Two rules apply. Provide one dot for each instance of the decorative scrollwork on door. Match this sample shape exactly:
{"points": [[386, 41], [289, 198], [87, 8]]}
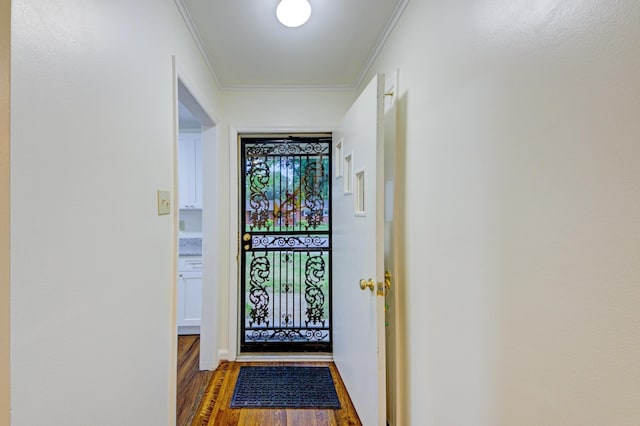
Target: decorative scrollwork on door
{"points": [[284, 147], [259, 272], [258, 176], [285, 244], [314, 179], [314, 276]]}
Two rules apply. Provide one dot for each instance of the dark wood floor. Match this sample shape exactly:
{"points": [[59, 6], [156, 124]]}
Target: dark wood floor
{"points": [[204, 397], [191, 381]]}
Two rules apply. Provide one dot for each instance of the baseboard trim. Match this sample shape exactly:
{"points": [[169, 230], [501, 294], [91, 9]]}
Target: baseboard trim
{"points": [[188, 330]]}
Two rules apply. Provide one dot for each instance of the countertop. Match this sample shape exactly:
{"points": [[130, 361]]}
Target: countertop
{"points": [[189, 246]]}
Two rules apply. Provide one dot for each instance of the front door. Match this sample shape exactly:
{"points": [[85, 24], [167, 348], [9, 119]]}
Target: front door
{"points": [[286, 244], [358, 253]]}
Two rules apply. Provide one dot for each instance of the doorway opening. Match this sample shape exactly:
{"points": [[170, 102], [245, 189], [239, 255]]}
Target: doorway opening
{"points": [[196, 229], [285, 261], [190, 164]]}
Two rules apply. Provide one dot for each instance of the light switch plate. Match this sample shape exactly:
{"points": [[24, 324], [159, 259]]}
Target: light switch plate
{"points": [[164, 202]]}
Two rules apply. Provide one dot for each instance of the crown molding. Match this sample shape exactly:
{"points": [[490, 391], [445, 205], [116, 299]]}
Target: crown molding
{"points": [[308, 88], [290, 88], [184, 11], [382, 40]]}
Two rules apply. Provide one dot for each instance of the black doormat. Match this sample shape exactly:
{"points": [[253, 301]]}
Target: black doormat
{"points": [[285, 387]]}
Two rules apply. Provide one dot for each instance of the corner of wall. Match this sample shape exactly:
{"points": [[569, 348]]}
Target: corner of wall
{"points": [[223, 355], [5, 89]]}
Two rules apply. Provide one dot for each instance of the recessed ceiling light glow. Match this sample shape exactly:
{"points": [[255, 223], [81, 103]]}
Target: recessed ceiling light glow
{"points": [[293, 13]]}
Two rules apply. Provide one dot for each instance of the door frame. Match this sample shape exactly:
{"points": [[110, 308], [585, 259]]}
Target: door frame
{"points": [[185, 90], [234, 247]]}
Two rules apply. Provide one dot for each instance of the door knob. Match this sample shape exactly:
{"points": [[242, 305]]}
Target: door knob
{"points": [[367, 284]]}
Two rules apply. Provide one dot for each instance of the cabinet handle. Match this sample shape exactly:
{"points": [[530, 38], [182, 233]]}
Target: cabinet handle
{"points": [[180, 275]]}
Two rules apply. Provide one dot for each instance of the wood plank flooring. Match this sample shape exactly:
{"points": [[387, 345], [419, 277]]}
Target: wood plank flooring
{"points": [[191, 381], [215, 410], [204, 396]]}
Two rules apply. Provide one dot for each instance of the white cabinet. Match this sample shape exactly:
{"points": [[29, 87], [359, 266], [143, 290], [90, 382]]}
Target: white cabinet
{"points": [[189, 295], [190, 171]]}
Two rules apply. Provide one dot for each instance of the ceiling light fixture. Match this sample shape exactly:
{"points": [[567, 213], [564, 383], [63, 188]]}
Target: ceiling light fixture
{"points": [[293, 13]]}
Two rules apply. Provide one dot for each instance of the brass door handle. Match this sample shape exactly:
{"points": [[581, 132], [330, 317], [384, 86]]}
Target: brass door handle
{"points": [[367, 284]]}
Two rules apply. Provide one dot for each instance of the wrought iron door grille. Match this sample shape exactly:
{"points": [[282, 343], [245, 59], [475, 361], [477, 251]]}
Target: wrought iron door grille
{"points": [[286, 244]]}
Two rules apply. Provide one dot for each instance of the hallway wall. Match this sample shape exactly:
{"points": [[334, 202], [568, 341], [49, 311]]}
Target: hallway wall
{"points": [[92, 263], [520, 141], [286, 109], [5, 253], [272, 111]]}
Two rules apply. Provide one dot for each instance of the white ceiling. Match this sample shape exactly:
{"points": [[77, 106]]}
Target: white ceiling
{"points": [[247, 47]]}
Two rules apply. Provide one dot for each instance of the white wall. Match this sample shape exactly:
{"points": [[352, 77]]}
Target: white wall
{"points": [[92, 129], [518, 131], [520, 128], [286, 109], [5, 254], [270, 111]]}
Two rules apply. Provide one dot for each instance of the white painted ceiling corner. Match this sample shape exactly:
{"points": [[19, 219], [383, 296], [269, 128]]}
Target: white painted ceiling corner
{"points": [[246, 48]]}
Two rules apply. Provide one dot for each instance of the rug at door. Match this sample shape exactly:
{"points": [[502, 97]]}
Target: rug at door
{"points": [[285, 387]]}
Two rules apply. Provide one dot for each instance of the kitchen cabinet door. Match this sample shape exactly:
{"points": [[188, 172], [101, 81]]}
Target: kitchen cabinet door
{"points": [[190, 171], [189, 298]]}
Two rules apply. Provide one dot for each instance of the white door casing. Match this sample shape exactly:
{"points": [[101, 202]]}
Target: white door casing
{"points": [[187, 92], [392, 234], [358, 253]]}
